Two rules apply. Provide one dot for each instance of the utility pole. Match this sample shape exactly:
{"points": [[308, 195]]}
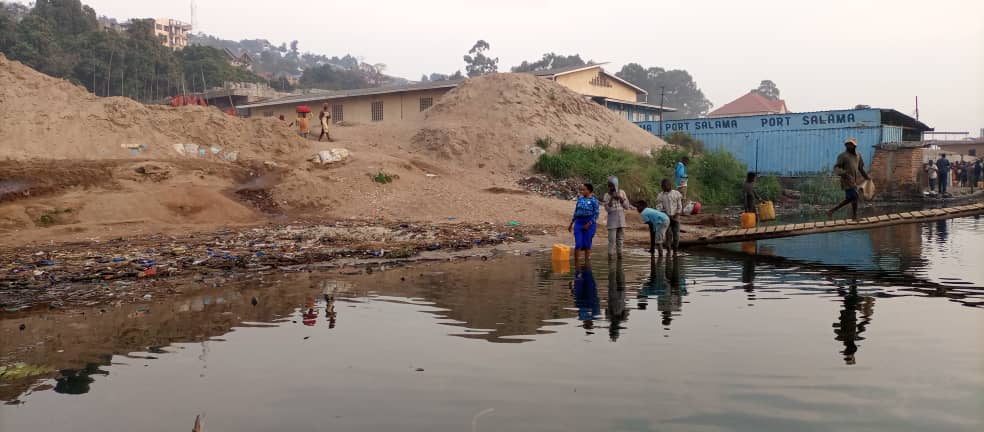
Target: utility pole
{"points": [[661, 92]]}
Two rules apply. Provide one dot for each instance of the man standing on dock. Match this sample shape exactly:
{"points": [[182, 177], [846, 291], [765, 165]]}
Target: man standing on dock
{"points": [[943, 165], [850, 169]]}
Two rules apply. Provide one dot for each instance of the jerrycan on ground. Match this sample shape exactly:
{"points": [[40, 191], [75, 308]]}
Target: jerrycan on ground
{"points": [[767, 211], [561, 252], [748, 220]]}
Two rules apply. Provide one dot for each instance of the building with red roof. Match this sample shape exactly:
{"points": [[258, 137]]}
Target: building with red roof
{"points": [[750, 104]]}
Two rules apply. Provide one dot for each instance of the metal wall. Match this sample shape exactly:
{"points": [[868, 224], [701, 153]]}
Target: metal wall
{"points": [[784, 144]]}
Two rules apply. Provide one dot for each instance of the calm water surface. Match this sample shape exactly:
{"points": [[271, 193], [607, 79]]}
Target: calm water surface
{"points": [[867, 330]]}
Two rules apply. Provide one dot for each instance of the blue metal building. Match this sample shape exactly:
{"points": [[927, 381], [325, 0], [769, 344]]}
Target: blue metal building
{"points": [[796, 143]]}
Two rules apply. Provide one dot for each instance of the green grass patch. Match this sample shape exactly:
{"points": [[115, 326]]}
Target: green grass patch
{"points": [[820, 190], [768, 188], [383, 178]]}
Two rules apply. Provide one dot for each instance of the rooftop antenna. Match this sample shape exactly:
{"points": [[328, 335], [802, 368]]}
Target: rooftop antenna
{"points": [[917, 107]]}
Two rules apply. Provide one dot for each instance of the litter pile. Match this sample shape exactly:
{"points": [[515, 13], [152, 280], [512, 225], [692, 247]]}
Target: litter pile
{"points": [[497, 118], [50, 118], [565, 189], [89, 273]]}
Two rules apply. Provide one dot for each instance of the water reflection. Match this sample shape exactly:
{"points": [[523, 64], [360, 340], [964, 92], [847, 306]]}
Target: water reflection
{"points": [[77, 381], [848, 328], [585, 292], [617, 310], [518, 299]]}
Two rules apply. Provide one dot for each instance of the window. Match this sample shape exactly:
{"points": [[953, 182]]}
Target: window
{"points": [[337, 113], [377, 111], [267, 113], [426, 103]]}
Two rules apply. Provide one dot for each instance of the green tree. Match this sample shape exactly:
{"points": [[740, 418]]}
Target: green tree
{"points": [[550, 61], [679, 89], [768, 89], [331, 77], [198, 60], [477, 63]]}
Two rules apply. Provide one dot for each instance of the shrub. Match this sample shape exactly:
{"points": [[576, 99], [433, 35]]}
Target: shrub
{"points": [[383, 178], [685, 141], [820, 189], [768, 187], [544, 142]]}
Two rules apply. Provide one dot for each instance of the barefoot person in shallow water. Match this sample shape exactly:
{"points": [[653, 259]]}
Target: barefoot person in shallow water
{"points": [[584, 222]]}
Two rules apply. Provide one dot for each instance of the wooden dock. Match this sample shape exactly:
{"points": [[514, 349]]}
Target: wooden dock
{"points": [[792, 230]]}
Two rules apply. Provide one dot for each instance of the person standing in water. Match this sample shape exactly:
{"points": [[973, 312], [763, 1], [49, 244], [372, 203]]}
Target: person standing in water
{"points": [[850, 168], [584, 222], [616, 203], [670, 202]]}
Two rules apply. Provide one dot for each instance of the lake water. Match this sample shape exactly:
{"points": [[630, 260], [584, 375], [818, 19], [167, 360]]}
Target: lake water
{"points": [[860, 331]]}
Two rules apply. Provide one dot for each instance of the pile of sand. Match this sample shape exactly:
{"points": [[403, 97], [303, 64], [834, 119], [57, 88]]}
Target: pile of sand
{"points": [[50, 118], [498, 117]]}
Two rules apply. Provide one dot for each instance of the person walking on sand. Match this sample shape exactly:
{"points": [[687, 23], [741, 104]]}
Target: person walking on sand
{"points": [[584, 222], [680, 174], [670, 202], [850, 168], [943, 166], [658, 223], [325, 118], [616, 203]]}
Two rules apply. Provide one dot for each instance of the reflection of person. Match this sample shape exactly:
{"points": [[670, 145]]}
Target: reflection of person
{"points": [[586, 297], [847, 328], [850, 168], [669, 300], [616, 203], [655, 283], [309, 318], [330, 313], [616, 310]]}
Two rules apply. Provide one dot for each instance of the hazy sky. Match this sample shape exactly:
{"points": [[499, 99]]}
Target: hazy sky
{"points": [[823, 54]]}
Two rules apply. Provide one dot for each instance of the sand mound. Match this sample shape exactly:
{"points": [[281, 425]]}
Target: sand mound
{"points": [[498, 117], [45, 117]]}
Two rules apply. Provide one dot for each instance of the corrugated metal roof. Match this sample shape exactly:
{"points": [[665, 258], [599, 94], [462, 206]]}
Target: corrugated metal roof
{"points": [[641, 104], [339, 94], [566, 70]]}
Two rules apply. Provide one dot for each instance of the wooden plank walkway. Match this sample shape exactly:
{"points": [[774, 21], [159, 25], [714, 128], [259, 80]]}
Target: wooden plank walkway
{"points": [[792, 230]]}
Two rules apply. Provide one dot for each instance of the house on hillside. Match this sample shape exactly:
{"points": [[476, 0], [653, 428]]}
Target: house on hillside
{"points": [[624, 98], [171, 32], [751, 104], [243, 61]]}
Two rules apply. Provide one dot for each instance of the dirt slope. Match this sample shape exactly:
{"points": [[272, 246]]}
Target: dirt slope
{"points": [[495, 119], [49, 118]]}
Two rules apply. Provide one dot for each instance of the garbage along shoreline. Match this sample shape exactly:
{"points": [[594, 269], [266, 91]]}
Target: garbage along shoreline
{"points": [[145, 268]]}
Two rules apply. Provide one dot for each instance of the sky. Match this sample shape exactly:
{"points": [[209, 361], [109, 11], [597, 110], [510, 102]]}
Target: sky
{"points": [[822, 54]]}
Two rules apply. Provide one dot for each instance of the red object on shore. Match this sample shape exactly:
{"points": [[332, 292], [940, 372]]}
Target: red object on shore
{"points": [[303, 109], [696, 208]]}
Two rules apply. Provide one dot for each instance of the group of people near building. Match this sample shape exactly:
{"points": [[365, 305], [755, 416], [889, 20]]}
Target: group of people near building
{"points": [[663, 218], [943, 173]]}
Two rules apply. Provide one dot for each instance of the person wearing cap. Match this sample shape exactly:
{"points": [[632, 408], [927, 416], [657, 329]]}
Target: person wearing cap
{"points": [[850, 169]]}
